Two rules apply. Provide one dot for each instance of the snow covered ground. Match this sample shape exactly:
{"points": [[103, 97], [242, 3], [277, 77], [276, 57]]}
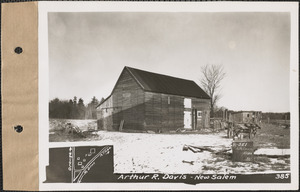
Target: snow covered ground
{"points": [[163, 153]]}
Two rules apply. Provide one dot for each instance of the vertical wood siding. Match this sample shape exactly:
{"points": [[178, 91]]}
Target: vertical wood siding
{"points": [[162, 115], [202, 105], [128, 102], [104, 114]]}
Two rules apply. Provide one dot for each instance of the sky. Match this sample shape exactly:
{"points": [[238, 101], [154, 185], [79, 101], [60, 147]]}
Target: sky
{"points": [[87, 52]]}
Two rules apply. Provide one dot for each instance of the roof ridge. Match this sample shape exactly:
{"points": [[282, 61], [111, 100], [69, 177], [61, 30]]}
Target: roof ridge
{"points": [[159, 74]]}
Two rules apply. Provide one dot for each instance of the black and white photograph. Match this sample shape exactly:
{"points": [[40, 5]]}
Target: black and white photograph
{"points": [[172, 96]]}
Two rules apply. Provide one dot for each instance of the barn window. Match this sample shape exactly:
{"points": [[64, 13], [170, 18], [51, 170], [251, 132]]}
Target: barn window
{"points": [[169, 101], [199, 114], [187, 103]]}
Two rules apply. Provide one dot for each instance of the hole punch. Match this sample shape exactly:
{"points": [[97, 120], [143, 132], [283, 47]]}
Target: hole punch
{"points": [[18, 50], [18, 128]]}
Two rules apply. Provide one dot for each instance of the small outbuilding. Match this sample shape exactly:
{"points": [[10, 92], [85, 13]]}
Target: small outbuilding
{"points": [[143, 100], [245, 117]]}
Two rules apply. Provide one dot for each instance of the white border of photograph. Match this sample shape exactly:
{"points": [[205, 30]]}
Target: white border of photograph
{"points": [[45, 7]]}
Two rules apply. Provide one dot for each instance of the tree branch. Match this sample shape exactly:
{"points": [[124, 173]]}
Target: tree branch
{"points": [[212, 76]]}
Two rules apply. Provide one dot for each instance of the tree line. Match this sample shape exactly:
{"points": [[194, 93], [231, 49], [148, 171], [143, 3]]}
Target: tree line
{"points": [[277, 116], [219, 113], [73, 108]]}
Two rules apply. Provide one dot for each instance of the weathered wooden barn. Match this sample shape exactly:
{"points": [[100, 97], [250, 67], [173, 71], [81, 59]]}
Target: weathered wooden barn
{"points": [[143, 100]]}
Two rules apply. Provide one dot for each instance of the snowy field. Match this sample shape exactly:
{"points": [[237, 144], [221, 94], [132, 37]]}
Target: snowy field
{"points": [[163, 153]]}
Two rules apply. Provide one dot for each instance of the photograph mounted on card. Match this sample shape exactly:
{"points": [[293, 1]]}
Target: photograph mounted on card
{"points": [[165, 95], [160, 95]]}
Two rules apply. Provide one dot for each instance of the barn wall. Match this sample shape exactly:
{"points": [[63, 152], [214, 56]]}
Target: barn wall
{"points": [[202, 105], [163, 112], [128, 102], [104, 114], [142, 110], [166, 112]]}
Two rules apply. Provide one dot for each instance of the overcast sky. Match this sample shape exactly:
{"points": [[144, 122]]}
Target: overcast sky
{"points": [[87, 52]]}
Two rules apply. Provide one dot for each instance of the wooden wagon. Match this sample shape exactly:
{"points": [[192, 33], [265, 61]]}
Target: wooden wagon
{"points": [[243, 124]]}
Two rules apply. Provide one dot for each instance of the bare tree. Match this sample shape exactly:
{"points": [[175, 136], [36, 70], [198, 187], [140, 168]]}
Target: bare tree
{"points": [[212, 75]]}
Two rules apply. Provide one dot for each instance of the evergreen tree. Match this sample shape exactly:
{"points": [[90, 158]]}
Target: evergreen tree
{"points": [[91, 109], [73, 109], [80, 109]]}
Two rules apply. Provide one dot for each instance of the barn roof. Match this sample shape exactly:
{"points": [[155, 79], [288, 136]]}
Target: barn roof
{"points": [[158, 83]]}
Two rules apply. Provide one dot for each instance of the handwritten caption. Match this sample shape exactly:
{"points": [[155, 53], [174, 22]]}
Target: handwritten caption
{"points": [[156, 177]]}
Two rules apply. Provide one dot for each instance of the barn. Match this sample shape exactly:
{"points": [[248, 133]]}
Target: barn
{"points": [[143, 100]]}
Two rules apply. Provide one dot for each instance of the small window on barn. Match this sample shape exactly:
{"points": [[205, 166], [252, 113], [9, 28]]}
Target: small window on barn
{"points": [[187, 103], [248, 115], [199, 114], [169, 101]]}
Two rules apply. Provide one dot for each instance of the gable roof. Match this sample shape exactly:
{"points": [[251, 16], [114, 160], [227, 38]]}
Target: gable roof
{"points": [[158, 83]]}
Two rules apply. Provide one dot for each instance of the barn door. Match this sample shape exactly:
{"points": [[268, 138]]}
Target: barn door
{"points": [[194, 118], [187, 120]]}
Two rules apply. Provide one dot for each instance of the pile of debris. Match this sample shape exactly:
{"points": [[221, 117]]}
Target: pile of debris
{"points": [[198, 149], [73, 130], [217, 150]]}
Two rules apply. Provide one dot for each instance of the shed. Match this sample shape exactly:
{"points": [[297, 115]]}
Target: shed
{"points": [[245, 117], [143, 100]]}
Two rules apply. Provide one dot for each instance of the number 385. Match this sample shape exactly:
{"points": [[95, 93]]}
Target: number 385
{"points": [[282, 176]]}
